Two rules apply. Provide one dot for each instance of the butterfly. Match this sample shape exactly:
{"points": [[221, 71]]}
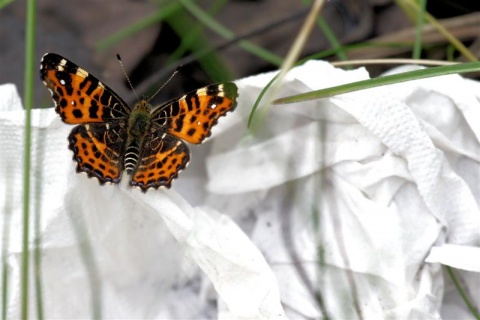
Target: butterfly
{"points": [[110, 137]]}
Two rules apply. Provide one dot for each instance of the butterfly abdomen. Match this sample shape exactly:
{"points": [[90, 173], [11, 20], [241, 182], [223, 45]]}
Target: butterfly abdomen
{"points": [[132, 154]]}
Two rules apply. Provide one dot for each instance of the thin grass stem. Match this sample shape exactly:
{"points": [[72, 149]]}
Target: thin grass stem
{"points": [[28, 101], [462, 293], [417, 48]]}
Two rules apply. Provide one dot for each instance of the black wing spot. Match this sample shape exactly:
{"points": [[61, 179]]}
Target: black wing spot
{"points": [[213, 90], [179, 123], [60, 91], [86, 166], [174, 109], [77, 113], [104, 99], [213, 115], [63, 103], [93, 110]]}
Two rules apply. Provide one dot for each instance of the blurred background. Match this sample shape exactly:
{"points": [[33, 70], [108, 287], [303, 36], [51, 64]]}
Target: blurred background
{"points": [[217, 40]]}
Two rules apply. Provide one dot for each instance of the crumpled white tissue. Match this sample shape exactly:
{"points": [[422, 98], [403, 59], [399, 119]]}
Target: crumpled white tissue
{"points": [[105, 251], [349, 206], [358, 198]]}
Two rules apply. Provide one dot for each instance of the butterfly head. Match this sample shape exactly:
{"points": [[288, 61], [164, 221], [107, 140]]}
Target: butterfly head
{"points": [[143, 105]]}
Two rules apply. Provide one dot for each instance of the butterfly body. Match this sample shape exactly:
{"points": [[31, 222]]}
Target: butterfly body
{"points": [[111, 138], [138, 127], [139, 120]]}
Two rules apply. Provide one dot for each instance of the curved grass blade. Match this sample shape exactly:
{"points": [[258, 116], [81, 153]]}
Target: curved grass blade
{"points": [[462, 293], [381, 81], [292, 56], [259, 98]]}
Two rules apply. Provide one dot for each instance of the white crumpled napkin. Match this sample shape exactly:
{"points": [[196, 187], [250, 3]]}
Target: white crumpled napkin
{"points": [[106, 253], [353, 202], [379, 182]]}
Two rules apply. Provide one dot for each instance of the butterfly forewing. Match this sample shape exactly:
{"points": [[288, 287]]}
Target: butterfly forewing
{"points": [[192, 116], [79, 97]]}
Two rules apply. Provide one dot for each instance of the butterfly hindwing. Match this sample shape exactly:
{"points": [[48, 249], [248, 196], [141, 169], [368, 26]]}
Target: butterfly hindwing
{"points": [[98, 150], [79, 97], [192, 116], [163, 157]]}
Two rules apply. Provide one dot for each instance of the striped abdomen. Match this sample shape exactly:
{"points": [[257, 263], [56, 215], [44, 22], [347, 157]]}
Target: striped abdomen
{"points": [[132, 154]]}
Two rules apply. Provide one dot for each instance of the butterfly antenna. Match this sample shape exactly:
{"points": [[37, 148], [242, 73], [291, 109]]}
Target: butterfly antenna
{"points": [[126, 76], [160, 89]]}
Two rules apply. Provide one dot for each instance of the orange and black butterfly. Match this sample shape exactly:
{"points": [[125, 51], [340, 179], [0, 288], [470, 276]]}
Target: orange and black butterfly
{"points": [[111, 137]]}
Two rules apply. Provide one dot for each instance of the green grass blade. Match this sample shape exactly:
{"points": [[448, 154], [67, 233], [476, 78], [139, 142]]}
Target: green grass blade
{"points": [[259, 98], [4, 288], [211, 62], [291, 57], [89, 259], [417, 48], [337, 47], [382, 81], [138, 26], [37, 257], [28, 101], [450, 53], [40, 152], [188, 39], [412, 6], [332, 39], [462, 293], [4, 3], [205, 18], [6, 242]]}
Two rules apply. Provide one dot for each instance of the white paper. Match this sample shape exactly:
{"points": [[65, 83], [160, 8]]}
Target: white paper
{"points": [[389, 173], [115, 252], [346, 207]]}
